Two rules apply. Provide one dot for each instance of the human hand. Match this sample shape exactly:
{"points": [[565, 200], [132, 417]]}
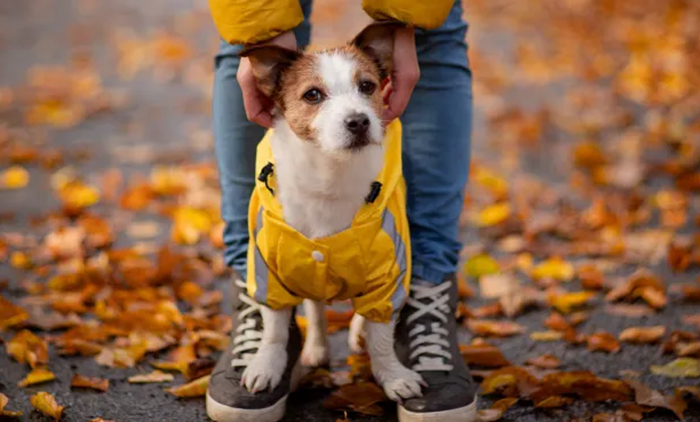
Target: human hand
{"points": [[258, 107], [404, 74]]}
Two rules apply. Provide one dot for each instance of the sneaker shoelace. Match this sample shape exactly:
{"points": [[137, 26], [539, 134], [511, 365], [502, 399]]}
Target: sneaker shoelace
{"points": [[428, 342], [248, 336]]}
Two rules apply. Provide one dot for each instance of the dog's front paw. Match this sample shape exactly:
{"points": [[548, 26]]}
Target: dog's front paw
{"points": [[400, 383], [356, 335], [315, 353], [266, 368]]}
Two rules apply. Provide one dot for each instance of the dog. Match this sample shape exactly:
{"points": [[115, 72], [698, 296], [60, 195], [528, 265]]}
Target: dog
{"points": [[327, 218]]}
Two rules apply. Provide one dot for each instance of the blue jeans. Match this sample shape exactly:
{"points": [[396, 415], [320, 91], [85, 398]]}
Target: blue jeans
{"points": [[437, 130]]}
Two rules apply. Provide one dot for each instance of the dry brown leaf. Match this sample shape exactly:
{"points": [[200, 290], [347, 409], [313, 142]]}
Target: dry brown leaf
{"points": [[552, 402], [196, 388], [99, 384], [496, 411], [643, 335], [155, 376], [25, 347], [37, 376], [46, 404], [689, 349], [546, 336], [628, 310], [362, 397], [602, 341], [645, 396], [483, 355], [490, 328], [545, 362]]}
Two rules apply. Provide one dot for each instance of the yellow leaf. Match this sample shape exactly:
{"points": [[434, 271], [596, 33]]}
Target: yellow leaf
{"points": [[566, 302], [493, 215], [679, 368], [21, 260], [15, 177], [46, 404], [480, 265], [10, 314], [155, 376], [195, 388], [555, 268], [78, 195], [25, 347], [549, 335], [37, 376]]}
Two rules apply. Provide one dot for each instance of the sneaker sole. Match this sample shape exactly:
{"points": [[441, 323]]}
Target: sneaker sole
{"points": [[221, 413], [462, 414]]}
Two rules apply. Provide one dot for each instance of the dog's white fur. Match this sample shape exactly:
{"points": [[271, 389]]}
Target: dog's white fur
{"points": [[321, 186]]}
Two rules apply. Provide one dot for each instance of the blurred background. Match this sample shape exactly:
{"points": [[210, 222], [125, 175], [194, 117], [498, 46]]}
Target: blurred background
{"points": [[587, 116]]}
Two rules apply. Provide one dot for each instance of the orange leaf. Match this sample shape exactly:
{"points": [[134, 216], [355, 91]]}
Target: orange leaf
{"points": [[99, 384], [483, 355], [362, 397], [15, 177], [643, 335], [602, 341], [46, 404], [155, 376], [566, 302], [25, 347], [490, 328], [545, 361], [196, 388], [10, 314], [7, 413], [646, 396], [553, 402]]}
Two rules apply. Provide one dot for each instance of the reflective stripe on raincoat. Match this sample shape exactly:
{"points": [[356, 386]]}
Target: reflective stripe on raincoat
{"points": [[368, 263]]}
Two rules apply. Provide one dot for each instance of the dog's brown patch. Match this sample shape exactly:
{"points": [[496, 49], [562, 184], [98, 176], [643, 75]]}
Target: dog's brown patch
{"points": [[299, 78]]}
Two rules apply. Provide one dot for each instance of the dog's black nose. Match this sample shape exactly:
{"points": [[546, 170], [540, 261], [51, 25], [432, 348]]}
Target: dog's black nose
{"points": [[357, 123]]}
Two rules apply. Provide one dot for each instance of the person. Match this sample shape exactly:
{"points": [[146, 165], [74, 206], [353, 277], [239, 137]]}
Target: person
{"points": [[431, 91]]}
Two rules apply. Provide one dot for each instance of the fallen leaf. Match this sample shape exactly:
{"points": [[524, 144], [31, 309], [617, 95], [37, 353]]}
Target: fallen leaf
{"points": [[155, 376], [496, 285], [545, 336], [554, 268], [362, 397], [99, 384], [7, 413], [679, 368], [490, 328], [481, 265], [483, 355], [691, 293], [566, 302], [643, 335], [25, 347], [552, 402], [37, 376], [545, 362], [46, 404], [646, 396], [10, 314], [15, 177], [493, 215], [689, 349], [511, 381], [602, 341], [496, 411], [195, 388], [628, 310]]}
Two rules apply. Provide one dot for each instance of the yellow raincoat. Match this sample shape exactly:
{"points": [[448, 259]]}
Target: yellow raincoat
{"points": [[369, 263], [251, 21]]}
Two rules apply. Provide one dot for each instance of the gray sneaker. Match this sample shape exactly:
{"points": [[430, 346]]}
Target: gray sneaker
{"points": [[426, 341], [227, 399]]}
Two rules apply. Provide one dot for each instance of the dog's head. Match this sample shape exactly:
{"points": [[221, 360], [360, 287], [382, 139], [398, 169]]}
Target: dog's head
{"points": [[331, 98]]}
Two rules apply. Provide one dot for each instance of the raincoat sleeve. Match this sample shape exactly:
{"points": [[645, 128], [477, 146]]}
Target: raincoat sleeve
{"points": [[252, 21], [421, 13]]}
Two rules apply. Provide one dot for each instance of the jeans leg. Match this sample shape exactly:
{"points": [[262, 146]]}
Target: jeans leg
{"points": [[236, 140], [436, 147]]}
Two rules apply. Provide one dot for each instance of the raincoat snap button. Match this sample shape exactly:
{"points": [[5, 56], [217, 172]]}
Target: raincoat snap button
{"points": [[317, 256]]}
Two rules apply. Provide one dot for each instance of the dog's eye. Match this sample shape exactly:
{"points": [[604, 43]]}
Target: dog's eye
{"points": [[367, 87], [313, 96]]}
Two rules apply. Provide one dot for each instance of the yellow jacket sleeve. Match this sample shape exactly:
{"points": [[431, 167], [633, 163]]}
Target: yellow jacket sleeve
{"points": [[251, 21], [421, 13]]}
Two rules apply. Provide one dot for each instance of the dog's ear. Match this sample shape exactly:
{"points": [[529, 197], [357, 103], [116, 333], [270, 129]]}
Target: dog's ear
{"points": [[377, 41], [267, 63]]}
